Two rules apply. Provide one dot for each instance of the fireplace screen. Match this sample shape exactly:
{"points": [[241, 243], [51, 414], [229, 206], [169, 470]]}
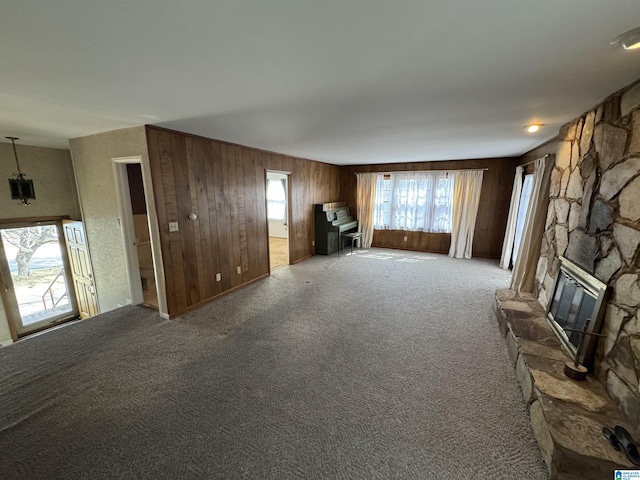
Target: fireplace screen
{"points": [[576, 310]]}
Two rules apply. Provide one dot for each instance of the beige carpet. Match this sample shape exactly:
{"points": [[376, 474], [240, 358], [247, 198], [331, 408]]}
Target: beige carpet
{"points": [[378, 365]]}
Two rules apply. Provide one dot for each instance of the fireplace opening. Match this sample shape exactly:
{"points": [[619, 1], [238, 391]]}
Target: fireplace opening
{"points": [[576, 310]]}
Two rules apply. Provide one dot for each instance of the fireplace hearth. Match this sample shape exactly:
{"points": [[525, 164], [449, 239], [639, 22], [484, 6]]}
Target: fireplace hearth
{"points": [[567, 416]]}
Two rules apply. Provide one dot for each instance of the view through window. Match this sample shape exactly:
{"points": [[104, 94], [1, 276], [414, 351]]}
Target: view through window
{"points": [[276, 199], [414, 202]]}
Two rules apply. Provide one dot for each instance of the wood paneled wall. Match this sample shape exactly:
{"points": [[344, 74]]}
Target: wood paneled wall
{"points": [[224, 185], [492, 213], [547, 148]]}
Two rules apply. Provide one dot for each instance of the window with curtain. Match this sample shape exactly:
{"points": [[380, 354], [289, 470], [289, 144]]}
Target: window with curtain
{"points": [[414, 202], [276, 200]]}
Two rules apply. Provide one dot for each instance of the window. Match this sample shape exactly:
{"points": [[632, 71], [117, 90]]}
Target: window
{"points": [[276, 200], [414, 201]]}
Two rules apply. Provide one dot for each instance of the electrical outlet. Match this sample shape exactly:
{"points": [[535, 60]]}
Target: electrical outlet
{"points": [[313, 243], [218, 277], [173, 226], [239, 270], [405, 238]]}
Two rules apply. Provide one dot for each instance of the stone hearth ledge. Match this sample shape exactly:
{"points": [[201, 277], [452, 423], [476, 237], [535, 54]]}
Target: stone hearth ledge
{"points": [[567, 416]]}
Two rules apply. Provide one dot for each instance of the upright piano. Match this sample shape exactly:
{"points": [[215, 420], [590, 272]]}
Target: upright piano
{"points": [[332, 220]]}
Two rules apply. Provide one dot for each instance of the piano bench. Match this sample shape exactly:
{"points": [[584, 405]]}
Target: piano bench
{"points": [[353, 237]]}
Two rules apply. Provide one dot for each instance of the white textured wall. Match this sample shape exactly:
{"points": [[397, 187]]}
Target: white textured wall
{"points": [[277, 229], [54, 185], [92, 159]]}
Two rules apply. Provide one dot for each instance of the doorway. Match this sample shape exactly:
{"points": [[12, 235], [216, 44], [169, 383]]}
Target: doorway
{"points": [[134, 222], [38, 287], [277, 196]]}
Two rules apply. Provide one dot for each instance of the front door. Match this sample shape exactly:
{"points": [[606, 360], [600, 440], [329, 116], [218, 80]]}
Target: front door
{"points": [[81, 273], [35, 272]]}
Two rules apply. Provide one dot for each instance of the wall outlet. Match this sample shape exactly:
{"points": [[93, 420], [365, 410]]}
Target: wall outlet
{"points": [[239, 270], [173, 226], [313, 243], [405, 238], [218, 277]]}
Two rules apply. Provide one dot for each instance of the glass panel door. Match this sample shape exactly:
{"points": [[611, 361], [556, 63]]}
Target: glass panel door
{"points": [[36, 276]]}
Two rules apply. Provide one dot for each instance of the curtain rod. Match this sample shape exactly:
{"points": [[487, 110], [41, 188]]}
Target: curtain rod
{"points": [[428, 171], [535, 160]]}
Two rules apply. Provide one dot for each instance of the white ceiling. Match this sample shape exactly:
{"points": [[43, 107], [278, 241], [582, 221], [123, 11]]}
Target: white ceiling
{"points": [[341, 81]]}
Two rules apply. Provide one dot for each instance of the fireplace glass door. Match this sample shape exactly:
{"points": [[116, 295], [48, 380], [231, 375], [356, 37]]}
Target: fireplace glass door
{"points": [[576, 309], [572, 308]]}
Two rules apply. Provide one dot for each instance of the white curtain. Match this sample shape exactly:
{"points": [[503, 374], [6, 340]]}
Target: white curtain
{"points": [[509, 235], [524, 269], [466, 197], [366, 201], [525, 197], [420, 201]]}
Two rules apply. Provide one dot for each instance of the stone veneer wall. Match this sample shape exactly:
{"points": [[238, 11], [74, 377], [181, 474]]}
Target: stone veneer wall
{"points": [[594, 220]]}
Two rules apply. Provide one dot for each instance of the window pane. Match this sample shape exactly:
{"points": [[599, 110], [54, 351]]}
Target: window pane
{"points": [[276, 200], [414, 201]]}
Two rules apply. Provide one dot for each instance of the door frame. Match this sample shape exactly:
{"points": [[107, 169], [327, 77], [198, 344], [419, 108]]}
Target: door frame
{"points": [[7, 292], [123, 197], [287, 174]]}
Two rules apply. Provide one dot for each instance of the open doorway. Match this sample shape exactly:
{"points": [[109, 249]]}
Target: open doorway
{"points": [[37, 279], [134, 220], [277, 195], [142, 235]]}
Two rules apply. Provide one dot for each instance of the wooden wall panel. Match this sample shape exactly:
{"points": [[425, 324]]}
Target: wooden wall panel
{"points": [[205, 177], [547, 148], [224, 185], [492, 212]]}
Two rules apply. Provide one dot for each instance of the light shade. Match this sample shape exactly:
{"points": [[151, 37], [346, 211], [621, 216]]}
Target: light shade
{"points": [[629, 40]]}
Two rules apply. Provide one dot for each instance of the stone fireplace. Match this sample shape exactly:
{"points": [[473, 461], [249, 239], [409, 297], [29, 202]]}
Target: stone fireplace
{"points": [[593, 220]]}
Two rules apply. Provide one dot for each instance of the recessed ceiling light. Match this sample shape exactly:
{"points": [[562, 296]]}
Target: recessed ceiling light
{"points": [[533, 128], [629, 40]]}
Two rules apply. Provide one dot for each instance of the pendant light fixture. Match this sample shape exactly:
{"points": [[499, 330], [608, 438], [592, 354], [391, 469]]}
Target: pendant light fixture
{"points": [[21, 187]]}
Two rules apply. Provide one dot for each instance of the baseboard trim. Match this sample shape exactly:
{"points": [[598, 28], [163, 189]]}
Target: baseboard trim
{"points": [[171, 316], [433, 251], [301, 259]]}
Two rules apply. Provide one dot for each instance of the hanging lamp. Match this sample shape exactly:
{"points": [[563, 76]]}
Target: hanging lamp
{"points": [[21, 187]]}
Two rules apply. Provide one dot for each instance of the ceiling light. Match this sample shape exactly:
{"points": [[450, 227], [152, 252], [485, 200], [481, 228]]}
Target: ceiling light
{"points": [[21, 187], [533, 128], [629, 40]]}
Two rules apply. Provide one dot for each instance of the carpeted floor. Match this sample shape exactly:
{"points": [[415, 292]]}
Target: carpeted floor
{"points": [[382, 364]]}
